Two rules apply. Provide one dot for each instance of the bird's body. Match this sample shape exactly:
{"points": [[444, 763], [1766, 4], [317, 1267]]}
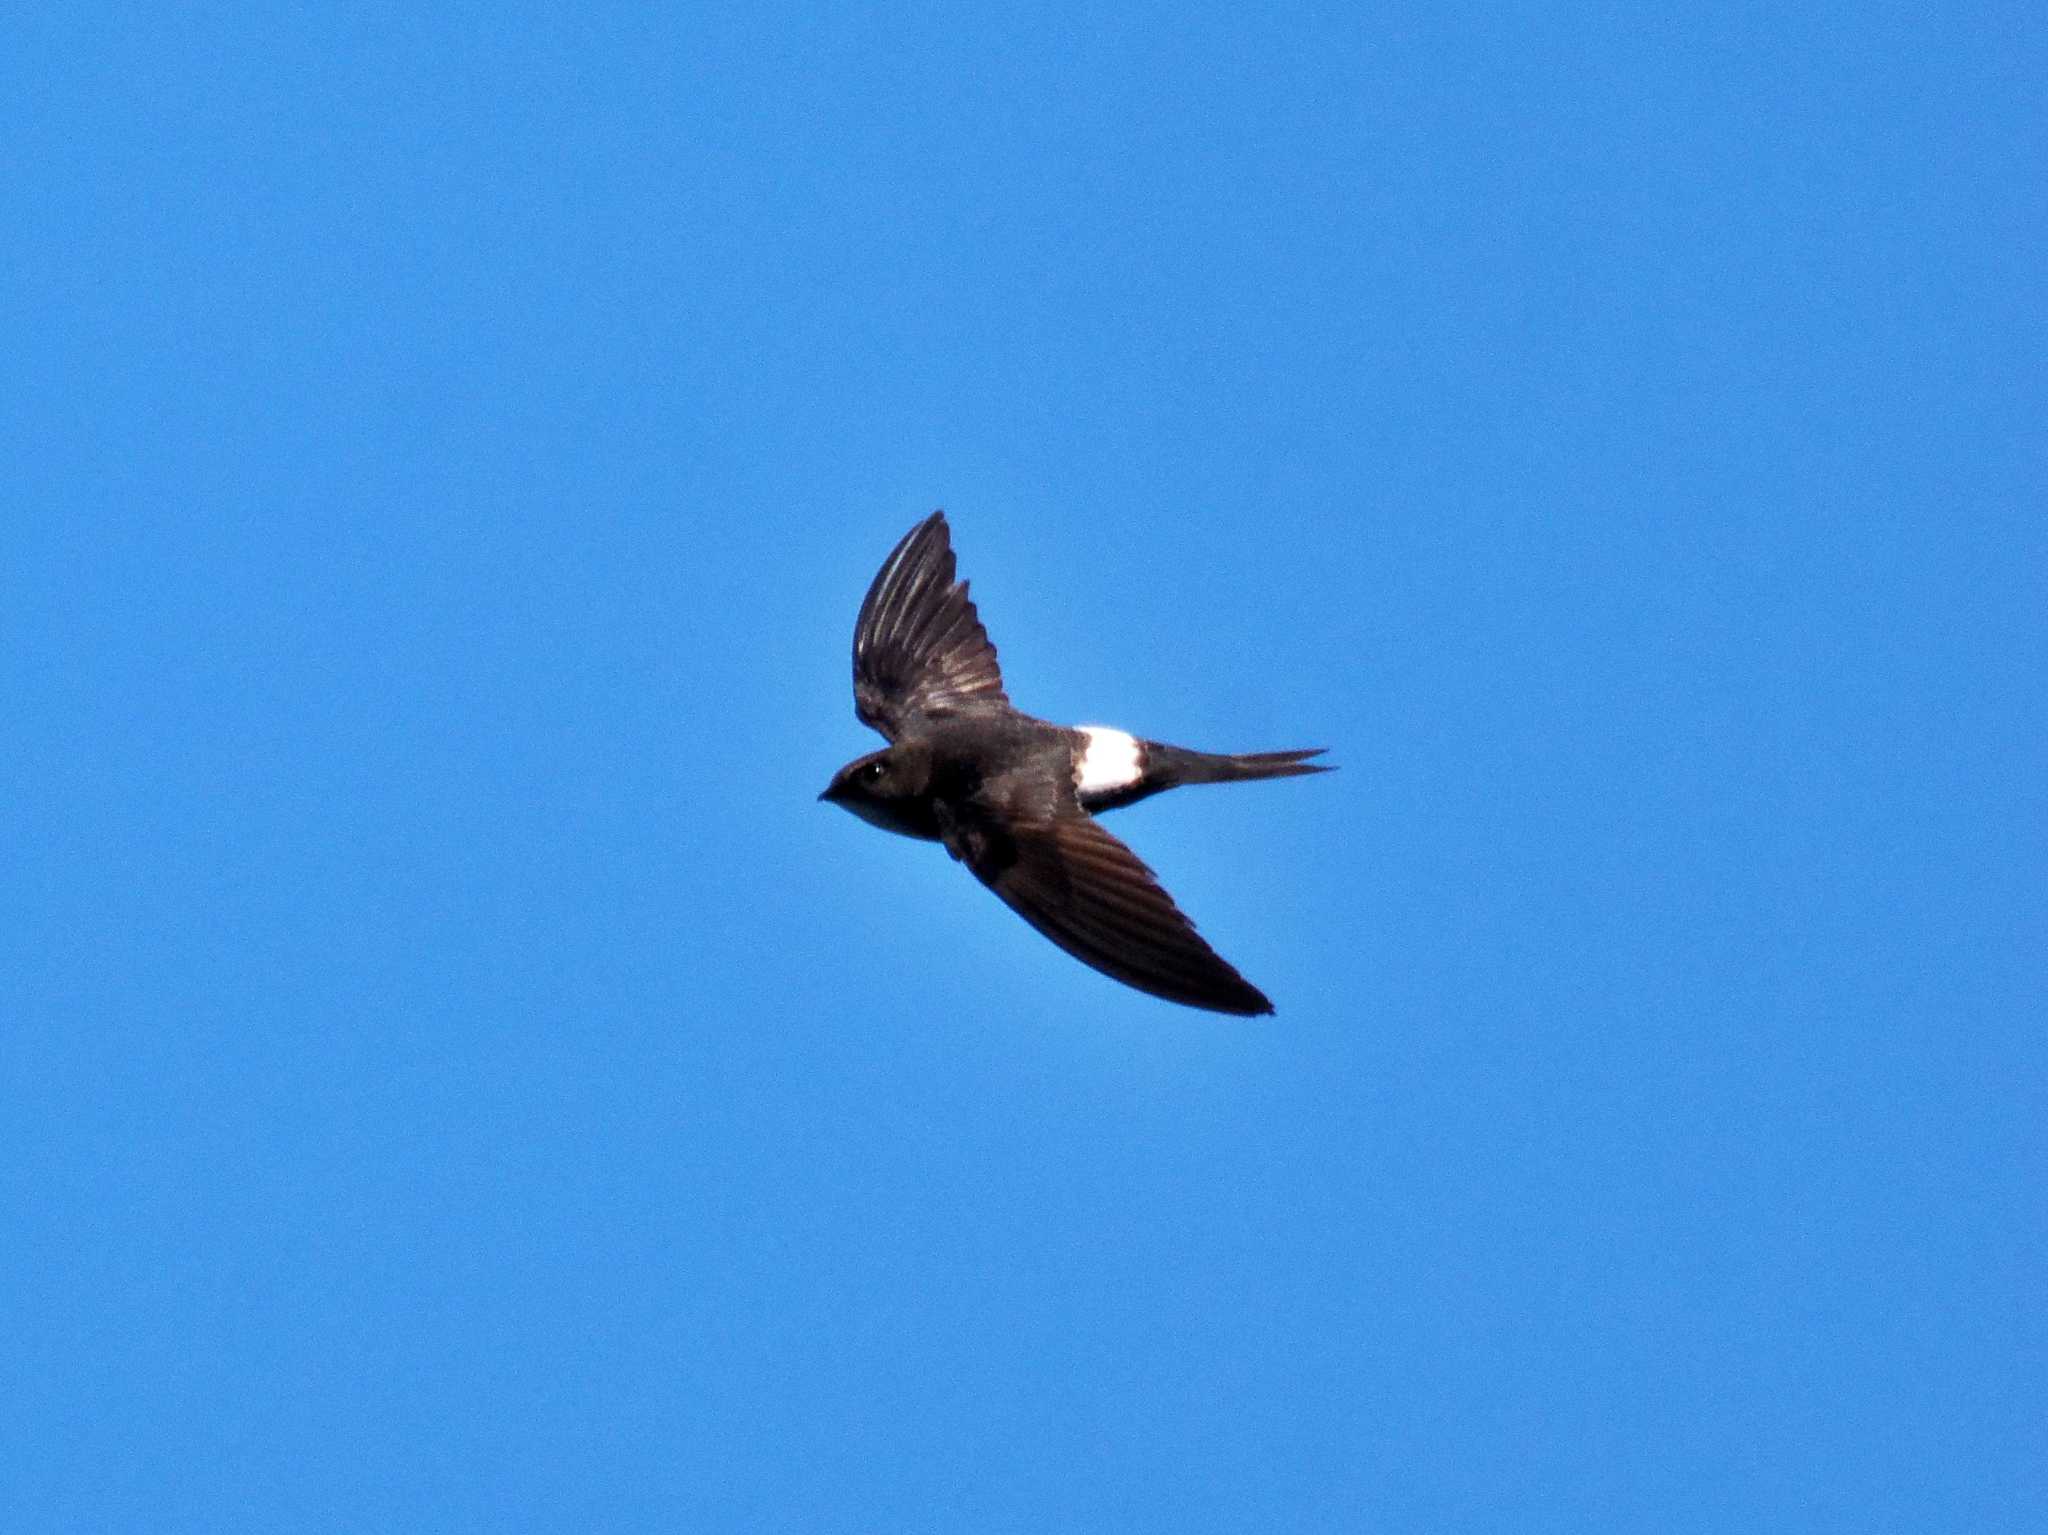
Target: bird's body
{"points": [[1015, 797]]}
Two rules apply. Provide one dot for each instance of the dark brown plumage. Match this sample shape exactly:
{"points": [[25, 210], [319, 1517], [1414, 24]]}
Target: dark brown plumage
{"points": [[1014, 797]]}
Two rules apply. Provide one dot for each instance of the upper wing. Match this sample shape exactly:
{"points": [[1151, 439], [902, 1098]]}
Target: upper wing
{"points": [[1089, 894], [918, 646]]}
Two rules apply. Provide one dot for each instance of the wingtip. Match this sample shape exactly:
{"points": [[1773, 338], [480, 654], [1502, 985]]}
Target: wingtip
{"points": [[1244, 1000]]}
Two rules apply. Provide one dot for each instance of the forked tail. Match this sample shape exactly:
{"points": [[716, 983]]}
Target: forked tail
{"points": [[1224, 767]]}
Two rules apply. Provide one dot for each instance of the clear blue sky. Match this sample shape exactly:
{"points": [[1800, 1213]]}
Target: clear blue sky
{"points": [[453, 1074]]}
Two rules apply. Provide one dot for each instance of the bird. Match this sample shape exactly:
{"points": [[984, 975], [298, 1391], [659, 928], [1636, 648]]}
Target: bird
{"points": [[1015, 798]]}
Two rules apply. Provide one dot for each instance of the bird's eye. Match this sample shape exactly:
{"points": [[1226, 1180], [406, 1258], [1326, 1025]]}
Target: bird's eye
{"points": [[872, 773]]}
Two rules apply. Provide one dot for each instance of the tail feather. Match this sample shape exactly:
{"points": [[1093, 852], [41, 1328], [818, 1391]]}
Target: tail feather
{"points": [[1233, 767]]}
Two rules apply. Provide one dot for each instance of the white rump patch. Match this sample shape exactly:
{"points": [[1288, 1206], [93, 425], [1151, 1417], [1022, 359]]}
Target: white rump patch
{"points": [[1109, 760]]}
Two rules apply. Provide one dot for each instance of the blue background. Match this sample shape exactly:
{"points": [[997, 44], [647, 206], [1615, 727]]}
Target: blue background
{"points": [[457, 1077]]}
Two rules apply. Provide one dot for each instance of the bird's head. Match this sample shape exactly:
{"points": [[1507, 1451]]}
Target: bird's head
{"points": [[887, 789]]}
